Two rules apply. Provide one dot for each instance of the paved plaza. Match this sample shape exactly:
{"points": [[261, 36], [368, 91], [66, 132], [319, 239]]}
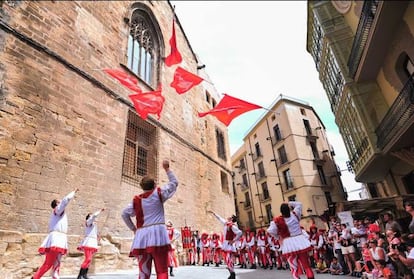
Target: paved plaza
{"points": [[190, 272]]}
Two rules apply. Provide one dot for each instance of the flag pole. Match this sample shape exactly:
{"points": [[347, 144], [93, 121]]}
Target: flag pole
{"points": [[208, 81]]}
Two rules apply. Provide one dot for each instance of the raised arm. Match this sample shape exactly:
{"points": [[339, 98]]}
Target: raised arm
{"points": [[64, 202], [218, 217], [297, 208], [169, 189], [93, 217]]}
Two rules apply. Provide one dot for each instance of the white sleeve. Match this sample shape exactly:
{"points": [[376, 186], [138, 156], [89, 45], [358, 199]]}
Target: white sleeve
{"points": [[169, 189], [297, 208], [127, 213], [221, 219], [272, 229], [92, 218], [237, 231], [65, 201]]}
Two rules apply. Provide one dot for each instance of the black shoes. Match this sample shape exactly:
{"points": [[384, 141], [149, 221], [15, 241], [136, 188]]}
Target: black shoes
{"points": [[232, 275]]}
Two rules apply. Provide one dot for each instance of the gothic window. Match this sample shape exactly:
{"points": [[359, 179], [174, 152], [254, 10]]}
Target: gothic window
{"points": [[139, 155], [143, 47]]}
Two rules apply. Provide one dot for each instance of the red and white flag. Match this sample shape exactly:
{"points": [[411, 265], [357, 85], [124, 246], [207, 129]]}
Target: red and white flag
{"points": [[184, 80], [229, 108], [126, 79], [148, 102], [175, 55]]}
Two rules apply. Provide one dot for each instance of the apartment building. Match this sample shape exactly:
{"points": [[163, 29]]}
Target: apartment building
{"points": [[285, 156], [363, 51]]}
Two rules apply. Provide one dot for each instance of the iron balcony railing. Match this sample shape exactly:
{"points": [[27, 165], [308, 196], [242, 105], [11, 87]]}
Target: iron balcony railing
{"points": [[397, 116], [265, 196], [364, 26]]}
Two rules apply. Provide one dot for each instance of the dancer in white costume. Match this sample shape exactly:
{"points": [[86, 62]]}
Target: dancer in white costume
{"points": [[55, 245], [231, 234], [173, 235], [295, 245], [89, 244], [151, 242]]}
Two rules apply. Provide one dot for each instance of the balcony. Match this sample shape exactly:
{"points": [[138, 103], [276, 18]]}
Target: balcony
{"points": [[264, 197], [312, 134], [260, 176], [397, 117], [319, 157], [288, 186], [247, 205], [280, 162], [241, 168], [243, 186], [275, 140], [256, 156], [377, 27], [361, 37]]}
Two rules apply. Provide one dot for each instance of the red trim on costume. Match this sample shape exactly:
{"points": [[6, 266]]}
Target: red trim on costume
{"points": [[249, 236], [137, 203], [82, 248], [170, 232], [159, 193], [262, 235], [44, 250], [149, 250], [229, 232], [298, 252], [282, 228]]}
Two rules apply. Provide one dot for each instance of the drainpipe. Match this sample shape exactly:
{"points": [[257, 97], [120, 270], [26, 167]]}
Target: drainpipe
{"points": [[274, 159]]}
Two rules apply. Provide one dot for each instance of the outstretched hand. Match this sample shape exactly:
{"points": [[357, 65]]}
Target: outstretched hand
{"points": [[166, 165]]}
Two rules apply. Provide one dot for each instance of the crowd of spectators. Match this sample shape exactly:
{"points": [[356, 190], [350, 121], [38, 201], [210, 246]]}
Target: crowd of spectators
{"points": [[369, 248]]}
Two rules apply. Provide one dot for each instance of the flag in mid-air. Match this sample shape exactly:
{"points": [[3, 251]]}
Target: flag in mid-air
{"points": [[229, 108], [175, 55], [184, 80], [148, 102]]}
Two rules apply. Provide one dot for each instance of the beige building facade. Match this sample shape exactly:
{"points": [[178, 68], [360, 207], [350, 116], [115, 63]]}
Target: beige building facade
{"points": [[285, 156], [65, 124], [363, 51]]}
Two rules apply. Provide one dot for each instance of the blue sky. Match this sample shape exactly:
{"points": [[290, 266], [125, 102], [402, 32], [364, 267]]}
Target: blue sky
{"points": [[255, 51]]}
